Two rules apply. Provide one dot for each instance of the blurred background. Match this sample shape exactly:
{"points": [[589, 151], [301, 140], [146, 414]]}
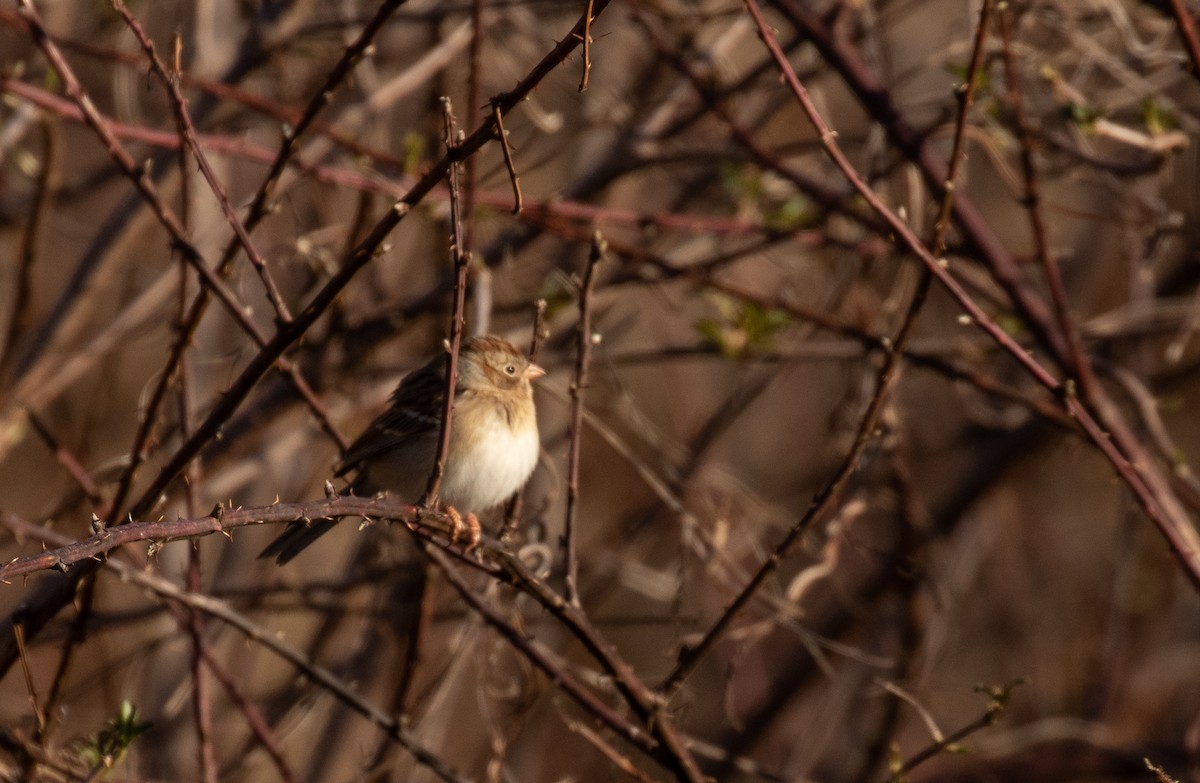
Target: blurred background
{"points": [[983, 577]]}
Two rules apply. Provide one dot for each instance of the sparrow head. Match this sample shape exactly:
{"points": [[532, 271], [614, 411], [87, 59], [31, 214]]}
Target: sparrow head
{"points": [[489, 362]]}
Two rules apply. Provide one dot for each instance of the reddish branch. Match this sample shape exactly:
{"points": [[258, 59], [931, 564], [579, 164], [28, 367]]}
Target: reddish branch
{"points": [[1077, 361], [220, 521], [1187, 32]]}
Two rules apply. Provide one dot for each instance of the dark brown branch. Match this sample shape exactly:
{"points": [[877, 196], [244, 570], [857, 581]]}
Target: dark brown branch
{"points": [[540, 658], [461, 258], [640, 697], [502, 137], [999, 703], [1032, 201], [583, 357], [221, 521]]}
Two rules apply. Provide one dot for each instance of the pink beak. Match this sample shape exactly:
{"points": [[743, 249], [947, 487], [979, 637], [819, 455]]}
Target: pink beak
{"points": [[533, 372]]}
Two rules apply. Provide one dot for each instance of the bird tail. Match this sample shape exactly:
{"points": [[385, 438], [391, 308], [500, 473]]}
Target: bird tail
{"points": [[298, 535], [295, 539]]}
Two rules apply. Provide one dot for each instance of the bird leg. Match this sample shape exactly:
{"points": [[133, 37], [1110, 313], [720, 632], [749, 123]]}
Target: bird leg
{"points": [[470, 527]]}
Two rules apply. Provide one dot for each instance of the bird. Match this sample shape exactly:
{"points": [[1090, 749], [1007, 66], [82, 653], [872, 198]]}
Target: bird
{"points": [[494, 441]]}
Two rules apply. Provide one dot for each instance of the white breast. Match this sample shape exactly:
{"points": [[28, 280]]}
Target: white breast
{"points": [[491, 468]]}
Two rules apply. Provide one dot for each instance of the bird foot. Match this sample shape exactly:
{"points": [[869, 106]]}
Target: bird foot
{"points": [[468, 528]]}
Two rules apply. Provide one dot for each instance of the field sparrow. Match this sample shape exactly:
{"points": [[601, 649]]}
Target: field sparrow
{"points": [[493, 438]]}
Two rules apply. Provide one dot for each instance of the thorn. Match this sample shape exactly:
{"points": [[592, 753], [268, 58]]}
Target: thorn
{"points": [[330, 492], [97, 524]]}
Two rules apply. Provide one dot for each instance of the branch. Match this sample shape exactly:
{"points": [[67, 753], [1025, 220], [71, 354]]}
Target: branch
{"points": [[220, 521], [583, 358]]}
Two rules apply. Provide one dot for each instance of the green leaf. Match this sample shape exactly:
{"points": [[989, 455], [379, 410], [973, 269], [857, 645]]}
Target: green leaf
{"points": [[743, 182], [795, 213], [414, 151], [741, 329], [1158, 118], [109, 745], [1083, 116]]}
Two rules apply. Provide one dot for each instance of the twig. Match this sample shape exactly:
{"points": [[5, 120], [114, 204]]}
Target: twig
{"points": [[929, 360], [259, 208], [192, 621], [908, 639], [125, 162], [461, 257], [512, 512], [1187, 32], [67, 460], [587, 47], [1159, 773], [540, 333], [31, 236], [999, 703], [540, 212], [1032, 201], [250, 711], [502, 136], [583, 357], [829, 198], [482, 299], [876, 100], [606, 748], [30, 688], [937, 243]]}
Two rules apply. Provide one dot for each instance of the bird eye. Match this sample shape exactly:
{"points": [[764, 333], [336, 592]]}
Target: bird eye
{"points": [[511, 369]]}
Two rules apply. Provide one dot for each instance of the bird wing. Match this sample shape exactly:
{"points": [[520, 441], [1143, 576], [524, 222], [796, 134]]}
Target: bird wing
{"points": [[414, 411]]}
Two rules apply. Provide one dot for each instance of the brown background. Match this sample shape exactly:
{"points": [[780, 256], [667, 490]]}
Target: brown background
{"points": [[978, 543]]}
